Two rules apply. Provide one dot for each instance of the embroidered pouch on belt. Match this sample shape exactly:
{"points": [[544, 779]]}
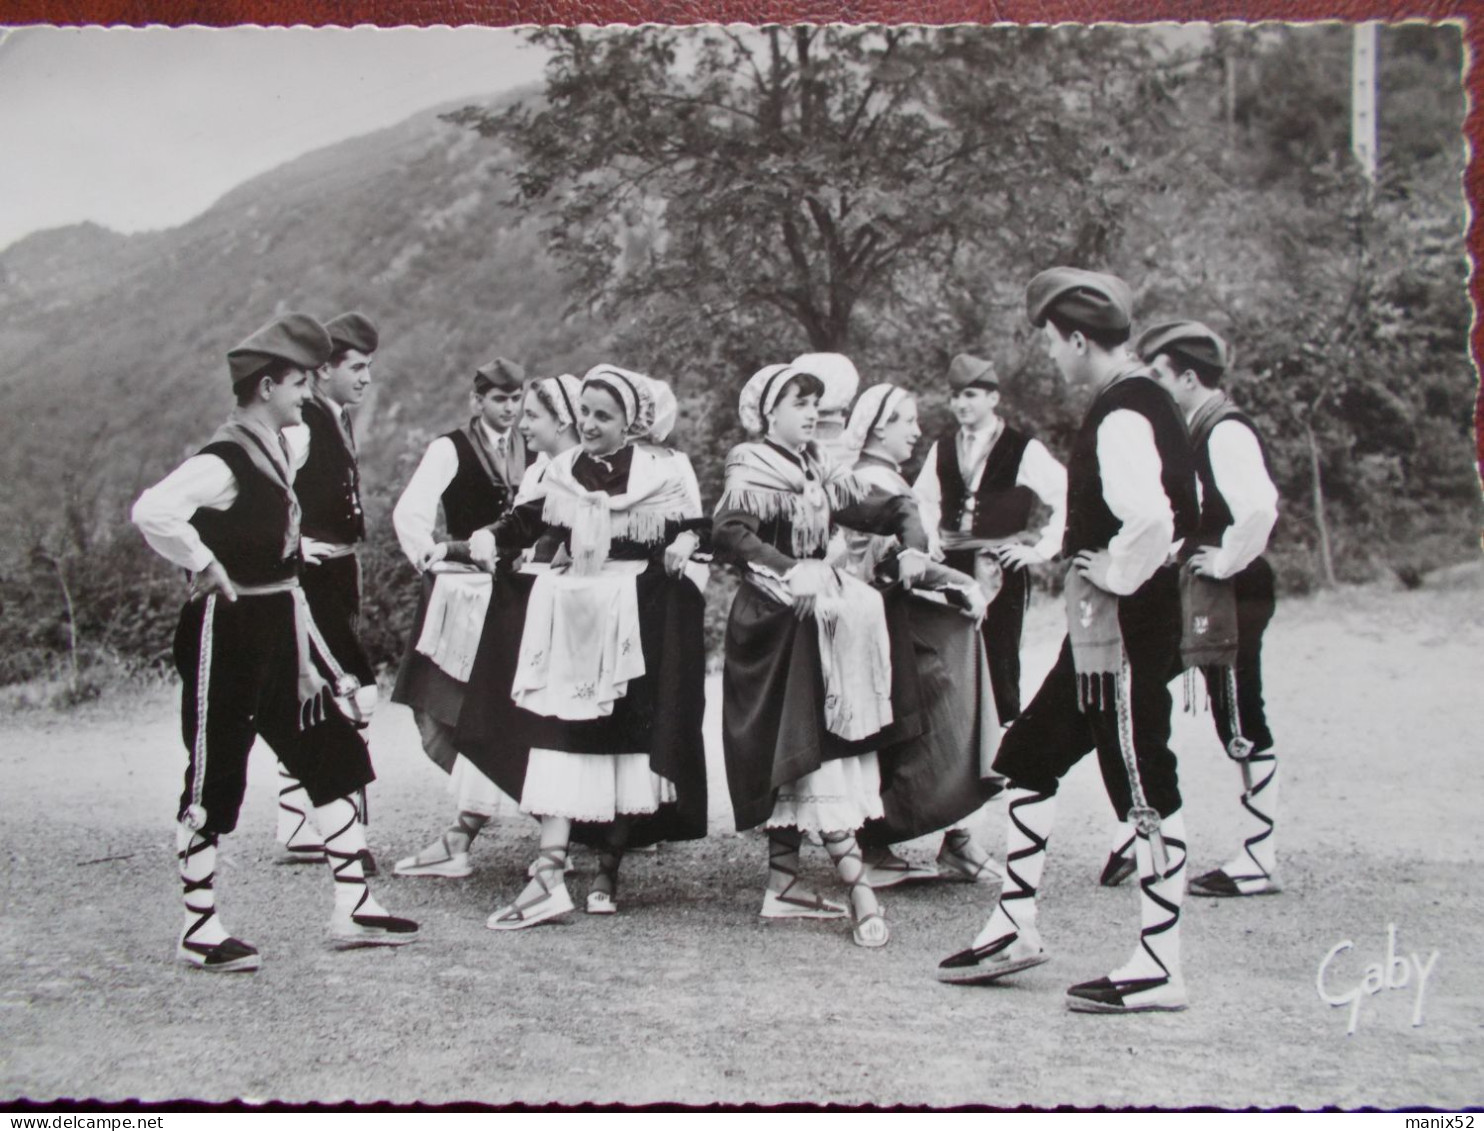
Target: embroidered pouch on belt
{"points": [[1208, 616], [1096, 638]]}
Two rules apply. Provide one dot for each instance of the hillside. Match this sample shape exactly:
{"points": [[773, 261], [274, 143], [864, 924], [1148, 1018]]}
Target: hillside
{"points": [[111, 346]]}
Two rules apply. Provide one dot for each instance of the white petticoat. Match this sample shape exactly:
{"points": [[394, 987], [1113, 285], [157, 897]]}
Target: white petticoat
{"points": [[473, 792], [840, 796], [592, 787]]}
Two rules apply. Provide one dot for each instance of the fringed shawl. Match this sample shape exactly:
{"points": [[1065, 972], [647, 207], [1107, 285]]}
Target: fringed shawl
{"points": [[659, 491], [763, 482]]}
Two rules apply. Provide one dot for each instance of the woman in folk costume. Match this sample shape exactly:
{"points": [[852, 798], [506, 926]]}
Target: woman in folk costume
{"points": [[808, 682], [592, 662], [548, 424], [939, 778]]}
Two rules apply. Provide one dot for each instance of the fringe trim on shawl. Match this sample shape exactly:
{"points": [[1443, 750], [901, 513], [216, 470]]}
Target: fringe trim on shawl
{"points": [[810, 525], [594, 525]]}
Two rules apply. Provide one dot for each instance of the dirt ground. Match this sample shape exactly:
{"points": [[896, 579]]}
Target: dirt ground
{"points": [[688, 996]]}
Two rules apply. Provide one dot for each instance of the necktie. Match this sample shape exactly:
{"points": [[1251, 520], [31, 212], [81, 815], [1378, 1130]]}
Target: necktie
{"points": [[966, 444]]}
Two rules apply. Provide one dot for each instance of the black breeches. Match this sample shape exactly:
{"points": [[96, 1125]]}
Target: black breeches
{"points": [[1053, 734], [238, 664]]}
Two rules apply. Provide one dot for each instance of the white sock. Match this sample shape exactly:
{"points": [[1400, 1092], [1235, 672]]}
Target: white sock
{"points": [[340, 826], [1160, 899], [1257, 859], [294, 828], [1030, 818], [196, 854]]}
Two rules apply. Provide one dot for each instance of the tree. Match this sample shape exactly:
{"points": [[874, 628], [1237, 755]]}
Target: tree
{"points": [[810, 175]]}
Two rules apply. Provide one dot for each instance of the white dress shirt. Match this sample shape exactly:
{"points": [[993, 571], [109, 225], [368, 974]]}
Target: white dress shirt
{"points": [[1039, 470], [415, 516], [163, 513], [1242, 479], [1130, 468]]}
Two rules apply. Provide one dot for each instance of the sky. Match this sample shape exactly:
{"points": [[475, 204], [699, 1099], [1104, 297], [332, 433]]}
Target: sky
{"points": [[139, 129]]}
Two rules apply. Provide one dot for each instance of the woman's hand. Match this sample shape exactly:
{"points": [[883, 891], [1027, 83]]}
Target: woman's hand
{"points": [[810, 580], [433, 556], [482, 548], [978, 603], [911, 565], [678, 552]]}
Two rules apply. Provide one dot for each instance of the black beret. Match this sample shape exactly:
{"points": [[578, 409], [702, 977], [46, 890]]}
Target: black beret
{"points": [[353, 331], [499, 374], [967, 371], [295, 338], [1088, 298], [1194, 340]]}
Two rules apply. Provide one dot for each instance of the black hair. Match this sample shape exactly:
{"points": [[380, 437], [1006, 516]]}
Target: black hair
{"points": [[611, 389], [807, 384], [1207, 374], [1100, 336], [339, 354], [277, 371]]}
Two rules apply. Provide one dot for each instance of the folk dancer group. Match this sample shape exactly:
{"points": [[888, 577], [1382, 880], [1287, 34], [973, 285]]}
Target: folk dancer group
{"points": [[871, 672]]}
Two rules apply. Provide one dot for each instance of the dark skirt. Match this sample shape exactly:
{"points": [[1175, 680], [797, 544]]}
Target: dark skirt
{"points": [[427, 688], [942, 776], [773, 720], [660, 713]]}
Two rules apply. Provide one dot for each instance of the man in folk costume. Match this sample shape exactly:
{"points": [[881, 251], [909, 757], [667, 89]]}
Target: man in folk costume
{"points": [[1130, 494], [1239, 507], [976, 488], [251, 660], [329, 490], [473, 474]]}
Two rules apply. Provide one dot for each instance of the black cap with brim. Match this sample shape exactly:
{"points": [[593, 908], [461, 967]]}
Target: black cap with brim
{"points": [[499, 374], [1086, 298], [969, 372], [1193, 340], [294, 338], [353, 331]]}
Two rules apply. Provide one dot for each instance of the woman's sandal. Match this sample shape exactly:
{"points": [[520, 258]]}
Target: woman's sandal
{"points": [[869, 930], [891, 870], [803, 905], [956, 865], [601, 903], [604, 900], [552, 901]]}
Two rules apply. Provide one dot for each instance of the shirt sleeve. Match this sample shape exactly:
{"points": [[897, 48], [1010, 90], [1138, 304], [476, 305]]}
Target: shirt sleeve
{"points": [[163, 513], [415, 516], [1242, 479], [1130, 467], [929, 494], [297, 436], [1043, 474]]}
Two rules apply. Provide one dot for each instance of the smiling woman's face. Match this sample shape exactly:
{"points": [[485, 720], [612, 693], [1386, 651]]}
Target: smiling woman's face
{"points": [[600, 421]]}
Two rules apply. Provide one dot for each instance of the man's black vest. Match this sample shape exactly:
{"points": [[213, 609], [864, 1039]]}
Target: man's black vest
{"points": [[247, 537], [1090, 524], [329, 483], [1216, 516], [472, 499], [1000, 508]]}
